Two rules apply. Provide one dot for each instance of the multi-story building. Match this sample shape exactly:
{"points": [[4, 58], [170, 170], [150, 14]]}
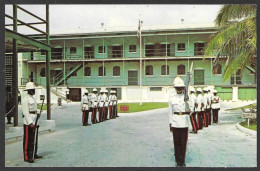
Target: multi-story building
{"points": [[110, 58]]}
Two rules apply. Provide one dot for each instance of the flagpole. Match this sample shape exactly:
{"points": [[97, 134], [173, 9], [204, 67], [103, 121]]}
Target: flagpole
{"points": [[140, 37]]}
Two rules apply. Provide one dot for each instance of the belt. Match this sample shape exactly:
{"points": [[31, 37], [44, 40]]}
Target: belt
{"points": [[33, 112], [181, 113], [85, 103], [214, 102]]}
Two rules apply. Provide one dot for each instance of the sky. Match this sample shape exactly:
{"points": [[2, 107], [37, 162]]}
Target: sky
{"points": [[66, 17]]}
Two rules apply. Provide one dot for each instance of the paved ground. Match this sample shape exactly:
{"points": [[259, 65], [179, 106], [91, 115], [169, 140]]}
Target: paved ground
{"points": [[139, 140]]}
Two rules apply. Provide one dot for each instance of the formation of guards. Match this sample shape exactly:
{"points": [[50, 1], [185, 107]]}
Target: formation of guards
{"points": [[198, 114], [102, 107]]}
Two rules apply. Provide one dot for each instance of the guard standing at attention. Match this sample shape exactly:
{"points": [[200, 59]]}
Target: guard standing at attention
{"points": [[85, 108], [105, 105], [210, 95], [94, 106], [101, 103], [29, 108], [204, 107], [179, 122], [198, 102], [192, 109], [115, 104], [215, 106], [110, 104]]}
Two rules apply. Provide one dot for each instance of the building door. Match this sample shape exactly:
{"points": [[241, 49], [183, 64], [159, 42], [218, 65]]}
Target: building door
{"points": [[132, 78], [75, 94], [198, 76]]}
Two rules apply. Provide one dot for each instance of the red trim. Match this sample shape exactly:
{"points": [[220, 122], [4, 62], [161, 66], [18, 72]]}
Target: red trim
{"points": [[198, 120], [194, 126], [26, 142], [204, 114]]}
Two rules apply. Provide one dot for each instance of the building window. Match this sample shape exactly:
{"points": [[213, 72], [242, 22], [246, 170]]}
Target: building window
{"points": [[149, 70], [42, 73], [116, 71], [149, 50], [101, 49], [100, 71], [217, 69], [238, 77], [164, 71], [73, 50], [42, 53], [198, 48], [181, 70], [181, 47], [89, 52], [155, 88], [132, 48], [87, 71]]}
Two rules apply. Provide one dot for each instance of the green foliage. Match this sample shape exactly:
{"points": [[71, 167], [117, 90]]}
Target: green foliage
{"points": [[252, 124], [235, 39], [135, 107]]}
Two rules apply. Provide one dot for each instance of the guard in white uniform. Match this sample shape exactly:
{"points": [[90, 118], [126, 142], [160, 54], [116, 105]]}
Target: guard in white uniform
{"points": [[215, 106], [101, 103], [29, 108], [206, 106], [110, 104], [105, 105], [94, 106], [198, 103], [115, 104], [210, 95], [85, 108], [192, 109], [179, 122]]}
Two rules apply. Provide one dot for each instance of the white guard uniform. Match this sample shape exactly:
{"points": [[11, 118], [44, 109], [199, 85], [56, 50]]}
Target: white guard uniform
{"points": [[114, 98], [110, 101], [94, 100], [198, 100], [84, 103], [29, 105], [101, 100], [215, 104], [192, 100], [177, 104], [204, 100], [105, 100]]}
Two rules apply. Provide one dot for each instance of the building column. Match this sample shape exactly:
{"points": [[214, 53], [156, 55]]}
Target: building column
{"points": [[234, 94]]}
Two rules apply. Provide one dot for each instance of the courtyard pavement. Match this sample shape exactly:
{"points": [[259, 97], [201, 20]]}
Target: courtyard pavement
{"points": [[139, 139]]}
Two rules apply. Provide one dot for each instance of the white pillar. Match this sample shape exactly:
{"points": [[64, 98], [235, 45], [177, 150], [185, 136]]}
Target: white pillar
{"points": [[234, 93]]}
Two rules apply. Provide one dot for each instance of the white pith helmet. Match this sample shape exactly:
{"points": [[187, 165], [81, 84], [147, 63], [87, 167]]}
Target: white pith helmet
{"points": [[30, 86], [205, 89], [111, 91], [86, 91], [105, 91], [192, 89], [199, 90], [101, 91], [209, 89], [94, 89], [114, 91], [215, 91], [178, 82]]}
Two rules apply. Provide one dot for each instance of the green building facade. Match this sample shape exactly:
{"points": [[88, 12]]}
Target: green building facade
{"points": [[111, 59]]}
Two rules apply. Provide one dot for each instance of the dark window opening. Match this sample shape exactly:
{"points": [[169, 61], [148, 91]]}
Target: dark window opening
{"points": [[181, 47], [149, 50], [149, 70], [132, 48], [89, 52], [181, 70], [116, 71], [217, 69], [56, 53], [87, 71], [73, 50], [238, 77], [116, 51], [164, 71], [42, 73], [101, 49], [43, 53], [198, 48], [165, 48], [100, 71]]}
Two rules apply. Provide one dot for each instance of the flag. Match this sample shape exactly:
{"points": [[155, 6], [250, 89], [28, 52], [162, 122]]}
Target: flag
{"points": [[139, 29]]}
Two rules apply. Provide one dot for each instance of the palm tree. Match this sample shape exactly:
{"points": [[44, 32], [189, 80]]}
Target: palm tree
{"points": [[235, 39]]}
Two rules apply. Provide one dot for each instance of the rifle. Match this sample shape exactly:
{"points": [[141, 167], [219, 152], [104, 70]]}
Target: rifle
{"points": [[187, 82], [38, 117]]}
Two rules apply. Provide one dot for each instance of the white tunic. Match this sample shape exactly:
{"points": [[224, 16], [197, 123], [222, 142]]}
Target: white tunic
{"points": [[110, 101], [94, 100], [215, 102], [177, 104], [105, 100], [84, 103], [114, 99], [29, 105], [192, 102], [204, 100], [101, 100], [198, 100]]}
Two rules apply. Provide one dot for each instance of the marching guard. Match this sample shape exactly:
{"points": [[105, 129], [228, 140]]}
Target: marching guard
{"points": [[192, 109], [215, 106], [179, 122], [204, 107], [209, 106], [94, 106], [85, 108], [101, 102], [115, 104], [30, 138], [110, 104]]}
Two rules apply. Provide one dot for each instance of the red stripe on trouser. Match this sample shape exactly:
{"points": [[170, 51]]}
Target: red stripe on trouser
{"points": [[186, 145], [110, 111], [205, 121], [193, 124], [26, 142], [105, 114], [198, 124]]}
